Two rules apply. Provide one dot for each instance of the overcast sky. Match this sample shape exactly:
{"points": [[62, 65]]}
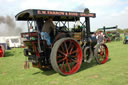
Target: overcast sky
{"points": [[108, 12]]}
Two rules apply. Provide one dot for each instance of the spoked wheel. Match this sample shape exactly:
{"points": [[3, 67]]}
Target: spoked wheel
{"points": [[1, 51], [66, 56], [101, 53], [88, 54]]}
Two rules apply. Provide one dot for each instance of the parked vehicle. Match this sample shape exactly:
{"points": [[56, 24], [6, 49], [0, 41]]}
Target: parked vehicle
{"points": [[125, 38], [2, 51], [69, 47], [110, 36], [11, 41]]}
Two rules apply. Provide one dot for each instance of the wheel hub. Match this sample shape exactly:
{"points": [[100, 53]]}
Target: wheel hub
{"points": [[69, 56]]}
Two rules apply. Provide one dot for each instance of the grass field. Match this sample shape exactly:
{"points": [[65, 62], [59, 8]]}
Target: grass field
{"points": [[113, 72]]}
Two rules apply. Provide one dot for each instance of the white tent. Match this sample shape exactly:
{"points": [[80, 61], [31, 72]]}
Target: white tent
{"points": [[11, 41]]}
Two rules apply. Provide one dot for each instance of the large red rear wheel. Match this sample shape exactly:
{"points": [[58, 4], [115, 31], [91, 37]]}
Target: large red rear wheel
{"points": [[1, 51], [101, 53], [66, 56]]}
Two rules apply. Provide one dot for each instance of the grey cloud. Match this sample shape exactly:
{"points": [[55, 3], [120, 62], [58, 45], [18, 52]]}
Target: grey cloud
{"points": [[11, 28]]}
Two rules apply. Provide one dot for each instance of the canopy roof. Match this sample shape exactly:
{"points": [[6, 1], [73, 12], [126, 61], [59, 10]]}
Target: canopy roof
{"points": [[33, 14], [108, 28]]}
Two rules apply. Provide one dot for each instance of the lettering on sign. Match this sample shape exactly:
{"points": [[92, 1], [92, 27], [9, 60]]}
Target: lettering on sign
{"points": [[41, 12], [64, 13], [55, 13], [82, 14], [73, 14]]}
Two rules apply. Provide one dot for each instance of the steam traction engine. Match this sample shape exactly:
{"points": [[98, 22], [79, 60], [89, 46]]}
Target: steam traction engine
{"points": [[110, 36], [70, 45]]}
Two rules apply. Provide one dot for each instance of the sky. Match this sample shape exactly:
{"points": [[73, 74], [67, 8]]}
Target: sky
{"points": [[108, 12]]}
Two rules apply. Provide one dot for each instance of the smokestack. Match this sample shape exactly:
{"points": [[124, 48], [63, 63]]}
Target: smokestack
{"points": [[11, 28]]}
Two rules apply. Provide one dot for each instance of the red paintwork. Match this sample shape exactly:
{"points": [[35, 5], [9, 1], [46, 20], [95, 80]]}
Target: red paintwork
{"points": [[69, 65], [1, 52], [32, 34], [104, 54]]}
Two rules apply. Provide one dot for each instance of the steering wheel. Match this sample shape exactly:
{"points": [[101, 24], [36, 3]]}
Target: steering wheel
{"points": [[62, 29]]}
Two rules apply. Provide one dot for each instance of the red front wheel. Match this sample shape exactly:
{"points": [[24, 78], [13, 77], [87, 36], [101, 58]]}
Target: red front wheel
{"points": [[101, 53], [66, 56]]}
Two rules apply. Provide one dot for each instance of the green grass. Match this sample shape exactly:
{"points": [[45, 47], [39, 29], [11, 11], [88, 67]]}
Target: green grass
{"points": [[113, 72]]}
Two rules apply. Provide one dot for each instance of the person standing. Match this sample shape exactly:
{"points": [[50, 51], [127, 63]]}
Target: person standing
{"points": [[100, 38]]}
